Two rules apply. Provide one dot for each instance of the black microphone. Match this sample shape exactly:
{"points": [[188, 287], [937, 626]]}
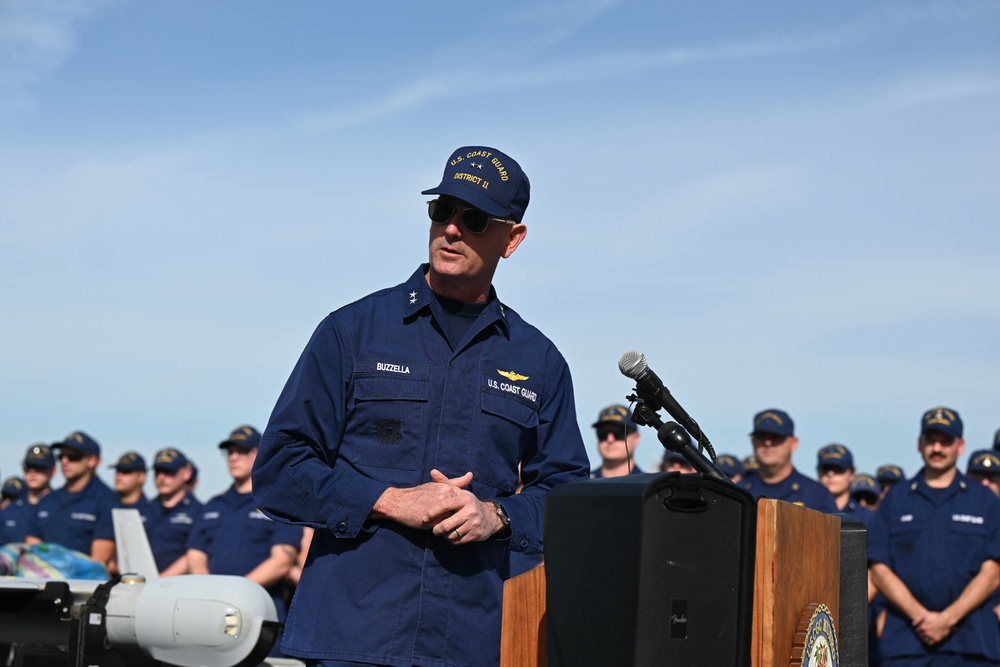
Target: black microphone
{"points": [[652, 390]]}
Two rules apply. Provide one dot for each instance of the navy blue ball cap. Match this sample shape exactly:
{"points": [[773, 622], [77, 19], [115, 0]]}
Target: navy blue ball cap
{"points": [[246, 437], [130, 462], [729, 464], [864, 485], [985, 460], [834, 456], [670, 456], [13, 488], [39, 456], [79, 441], [889, 474], [487, 179], [169, 459], [750, 465], [943, 420], [774, 422], [616, 415]]}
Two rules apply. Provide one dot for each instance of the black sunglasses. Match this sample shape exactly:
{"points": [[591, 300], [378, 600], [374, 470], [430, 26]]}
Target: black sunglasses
{"points": [[618, 432], [475, 221], [72, 455]]}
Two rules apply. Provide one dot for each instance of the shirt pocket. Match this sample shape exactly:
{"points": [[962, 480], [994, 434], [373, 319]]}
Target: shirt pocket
{"points": [[508, 427], [388, 424], [907, 550], [967, 542]]}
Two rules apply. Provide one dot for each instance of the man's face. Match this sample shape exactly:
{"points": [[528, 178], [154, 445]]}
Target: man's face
{"points": [[773, 451], [460, 256], [169, 482], [837, 480], [76, 465], [240, 461], [990, 480], [677, 466], [614, 444], [939, 451], [37, 479], [128, 481]]}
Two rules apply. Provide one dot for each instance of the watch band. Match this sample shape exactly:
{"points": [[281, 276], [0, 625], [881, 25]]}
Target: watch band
{"points": [[504, 531]]}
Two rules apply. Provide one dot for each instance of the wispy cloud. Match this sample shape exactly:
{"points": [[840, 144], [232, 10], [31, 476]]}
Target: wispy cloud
{"points": [[592, 68], [36, 37], [942, 87]]}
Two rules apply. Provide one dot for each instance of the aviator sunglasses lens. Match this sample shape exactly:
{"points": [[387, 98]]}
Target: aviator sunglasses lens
{"points": [[475, 221]]}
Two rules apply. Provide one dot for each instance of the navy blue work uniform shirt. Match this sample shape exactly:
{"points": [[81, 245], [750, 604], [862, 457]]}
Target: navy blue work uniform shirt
{"points": [[378, 398], [168, 529], [935, 541], [237, 537], [15, 520], [796, 489], [75, 520]]}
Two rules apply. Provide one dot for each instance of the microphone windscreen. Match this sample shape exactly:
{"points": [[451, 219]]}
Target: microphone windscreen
{"points": [[632, 363]]}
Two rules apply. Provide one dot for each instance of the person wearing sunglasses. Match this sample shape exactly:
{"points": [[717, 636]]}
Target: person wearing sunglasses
{"points": [[398, 436], [39, 466], [774, 441], [933, 552], [617, 438], [78, 515]]}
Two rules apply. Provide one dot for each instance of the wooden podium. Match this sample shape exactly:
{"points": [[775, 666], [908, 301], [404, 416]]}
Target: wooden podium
{"points": [[797, 571]]}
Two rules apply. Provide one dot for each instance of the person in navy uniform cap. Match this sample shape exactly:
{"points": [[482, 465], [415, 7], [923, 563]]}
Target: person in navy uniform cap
{"points": [[835, 471], [398, 438], [864, 490], [888, 476], [773, 439], [617, 439], [233, 537], [172, 513], [130, 475], [984, 467], [78, 515], [933, 550], [675, 462], [39, 467], [12, 491], [730, 466], [750, 465]]}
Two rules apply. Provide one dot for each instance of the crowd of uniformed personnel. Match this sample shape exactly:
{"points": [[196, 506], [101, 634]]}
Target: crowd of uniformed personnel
{"points": [[934, 540], [923, 596]]}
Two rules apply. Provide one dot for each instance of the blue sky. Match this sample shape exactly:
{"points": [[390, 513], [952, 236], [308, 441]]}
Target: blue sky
{"points": [[783, 205]]}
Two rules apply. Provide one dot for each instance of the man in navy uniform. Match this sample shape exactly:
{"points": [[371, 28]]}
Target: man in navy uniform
{"points": [[835, 471], [78, 515], [233, 537], [398, 438], [617, 439], [773, 439], [39, 466], [130, 476], [172, 513], [864, 491], [933, 552]]}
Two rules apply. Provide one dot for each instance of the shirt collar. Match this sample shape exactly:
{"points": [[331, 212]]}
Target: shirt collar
{"points": [[418, 296]]}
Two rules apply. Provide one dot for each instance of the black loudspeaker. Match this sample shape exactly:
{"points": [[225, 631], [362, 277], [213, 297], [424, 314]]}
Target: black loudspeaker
{"points": [[852, 633], [649, 570]]}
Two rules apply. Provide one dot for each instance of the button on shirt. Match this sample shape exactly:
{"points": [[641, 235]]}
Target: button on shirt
{"points": [[75, 520], [169, 528], [935, 541], [378, 398], [796, 489], [237, 538]]}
